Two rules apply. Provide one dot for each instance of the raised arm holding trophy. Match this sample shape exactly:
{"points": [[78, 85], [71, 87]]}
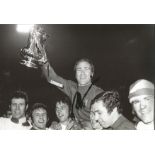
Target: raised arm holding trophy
{"points": [[34, 54], [81, 92]]}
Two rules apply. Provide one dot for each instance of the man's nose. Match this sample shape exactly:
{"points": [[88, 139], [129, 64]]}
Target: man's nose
{"points": [[41, 117], [142, 104], [59, 113], [17, 107], [82, 72]]}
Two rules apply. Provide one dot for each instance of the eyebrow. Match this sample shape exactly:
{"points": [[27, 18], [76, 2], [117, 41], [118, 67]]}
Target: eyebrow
{"points": [[135, 101], [17, 103], [96, 111], [147, 97]]}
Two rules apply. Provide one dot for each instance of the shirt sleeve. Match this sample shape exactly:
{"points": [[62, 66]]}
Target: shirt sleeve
{"points": [[51, 75]]}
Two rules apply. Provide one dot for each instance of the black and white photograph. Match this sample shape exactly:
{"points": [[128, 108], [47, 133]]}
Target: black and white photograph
{"points": [[84, 66], [77, 77]]}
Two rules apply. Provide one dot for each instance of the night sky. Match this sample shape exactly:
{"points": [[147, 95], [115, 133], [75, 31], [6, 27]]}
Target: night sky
{"points": [[121, 54]]}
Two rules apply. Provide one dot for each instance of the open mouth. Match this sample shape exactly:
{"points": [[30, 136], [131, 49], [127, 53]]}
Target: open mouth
{"points": [[42, 122], [60, 116]]}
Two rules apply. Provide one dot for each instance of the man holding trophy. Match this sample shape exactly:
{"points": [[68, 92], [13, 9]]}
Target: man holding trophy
{"points": [[80, 93]]}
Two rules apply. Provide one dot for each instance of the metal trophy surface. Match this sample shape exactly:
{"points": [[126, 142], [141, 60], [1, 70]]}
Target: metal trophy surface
{"points": [[34, 53]]}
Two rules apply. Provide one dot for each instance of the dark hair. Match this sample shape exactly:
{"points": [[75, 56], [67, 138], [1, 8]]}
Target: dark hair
{"points": [[66, 100], [20, 94], [38, 106], [110, 99], [85, 60]]}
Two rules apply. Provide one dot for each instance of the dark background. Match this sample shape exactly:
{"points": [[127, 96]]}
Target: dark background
{"points": [[121, 54]]}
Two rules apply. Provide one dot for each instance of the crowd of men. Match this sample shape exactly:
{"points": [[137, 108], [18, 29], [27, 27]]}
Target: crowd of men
{"points": [[85, 106]]}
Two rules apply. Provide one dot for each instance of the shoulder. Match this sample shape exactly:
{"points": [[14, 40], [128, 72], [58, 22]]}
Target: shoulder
{"points": [[75, 125], [142, 126], [71, 83], [126, 124], [4, 123], [72, 86], [97, 89], [3, 119], [26, 124]]}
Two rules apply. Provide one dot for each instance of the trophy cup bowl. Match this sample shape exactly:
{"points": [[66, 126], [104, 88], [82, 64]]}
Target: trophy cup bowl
{"points": [[34, 53]]}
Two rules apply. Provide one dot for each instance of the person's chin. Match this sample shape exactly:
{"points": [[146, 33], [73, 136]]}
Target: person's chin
{"points": [[147, 120], [62, 120], [41, 126], [83, 83]]}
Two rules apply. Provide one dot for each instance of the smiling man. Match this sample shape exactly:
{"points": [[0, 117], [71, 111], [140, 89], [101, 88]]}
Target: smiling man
{"points": [[18, 106], [39, 116], [141, 96], [63, 111], [95, 124], [81, 93], [107, 112]]}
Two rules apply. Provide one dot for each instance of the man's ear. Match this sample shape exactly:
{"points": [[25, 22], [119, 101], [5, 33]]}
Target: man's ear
{"points": [[92, 74], [48, 119]]}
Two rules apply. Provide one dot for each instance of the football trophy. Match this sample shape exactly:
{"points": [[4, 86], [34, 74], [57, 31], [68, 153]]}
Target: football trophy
{"points": [[34, 53]]}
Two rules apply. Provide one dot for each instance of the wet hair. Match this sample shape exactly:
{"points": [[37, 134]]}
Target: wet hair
{"points": [[110, 100], [38, 106], [85, 60], [20, 94]]}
